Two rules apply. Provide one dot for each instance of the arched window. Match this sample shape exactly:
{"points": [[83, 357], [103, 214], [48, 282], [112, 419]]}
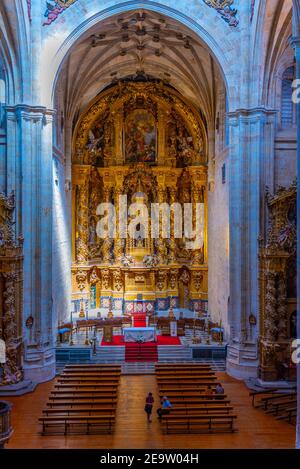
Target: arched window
{"points": [[287, 106]]}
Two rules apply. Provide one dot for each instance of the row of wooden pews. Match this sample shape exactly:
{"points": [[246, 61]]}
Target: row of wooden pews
{"points": [[195, 407], [282, 405], [83, 400]]}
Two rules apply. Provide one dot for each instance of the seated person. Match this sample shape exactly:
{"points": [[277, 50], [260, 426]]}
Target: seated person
{"points": [[219, 389], [209, 390], [165, 407]]}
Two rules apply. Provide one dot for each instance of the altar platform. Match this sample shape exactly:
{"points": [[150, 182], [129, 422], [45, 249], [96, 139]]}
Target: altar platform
{"points": [[118, 340], [137, 334]]}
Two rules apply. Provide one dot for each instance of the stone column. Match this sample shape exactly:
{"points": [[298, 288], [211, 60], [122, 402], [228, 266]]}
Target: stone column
{"points": [[81, 181], [295, 42], [251, 168], [30, 176]]}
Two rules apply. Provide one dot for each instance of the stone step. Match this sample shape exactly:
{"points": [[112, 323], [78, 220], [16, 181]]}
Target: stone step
{"points": [[23, 387], [138, 368]]}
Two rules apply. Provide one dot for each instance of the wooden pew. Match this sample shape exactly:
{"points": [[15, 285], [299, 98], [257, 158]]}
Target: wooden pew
{"points": [[76, 374], [88, 379], [255, 394], [88, 366], [289, 414], [87, 411], [180, 366], [82, 403], [83, 397], [201, 409], [90, 386], [75, 392], [184, 372], [64, 424], [280, 406], [198, 423], [265, 401]]}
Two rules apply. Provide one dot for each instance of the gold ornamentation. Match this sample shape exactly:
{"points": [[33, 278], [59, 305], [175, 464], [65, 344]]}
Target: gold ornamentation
{"points": [[118, 280], [81, 278], [277, 258], [94, 278], [105, 277]]}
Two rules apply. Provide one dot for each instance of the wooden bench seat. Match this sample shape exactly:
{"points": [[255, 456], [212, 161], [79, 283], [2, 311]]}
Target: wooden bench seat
{"points": [[189, 401], [186, 379], [187, 386], [77, 392], [201, 409], [87, 366], [289, 414], [198, 423], [183, 371], [175, 373], [92, 374], [65, 424], [83, 397], [85, 386], [86, 411], [265, 401], [255, 394], [181, 365], [101, 379], [83, 403], [186, 395], [277, 407]]}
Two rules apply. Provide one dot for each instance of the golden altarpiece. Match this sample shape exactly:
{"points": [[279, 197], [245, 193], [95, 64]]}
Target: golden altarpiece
{"points": [[142, 140], [11, 282], [278, 287]]}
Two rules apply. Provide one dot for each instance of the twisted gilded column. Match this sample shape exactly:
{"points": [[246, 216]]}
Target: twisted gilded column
{"points": [[107, 242], [198, 186], [161, 242], [118, 243], [172, 245], [81, 182], [12, 373]]}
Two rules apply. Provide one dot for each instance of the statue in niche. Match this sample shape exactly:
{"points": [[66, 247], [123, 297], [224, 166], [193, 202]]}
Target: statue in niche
{"points": [[140, 137]]}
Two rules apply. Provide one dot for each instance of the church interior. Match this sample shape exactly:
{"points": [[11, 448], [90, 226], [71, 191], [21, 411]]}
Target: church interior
{"points": [[148, 224]]}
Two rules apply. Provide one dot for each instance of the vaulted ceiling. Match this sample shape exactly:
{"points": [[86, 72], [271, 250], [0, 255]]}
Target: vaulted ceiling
{"points": [[139, 42]]}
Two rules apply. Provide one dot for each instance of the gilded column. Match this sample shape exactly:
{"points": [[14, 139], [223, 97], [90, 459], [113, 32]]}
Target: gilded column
{"points": [[198, 186], [119, 242], [81, 179], [107, 242], [161, 242], [172, 245]]}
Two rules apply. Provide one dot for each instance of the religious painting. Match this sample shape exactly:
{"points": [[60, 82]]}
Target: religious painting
{"points": [[140, 137]]}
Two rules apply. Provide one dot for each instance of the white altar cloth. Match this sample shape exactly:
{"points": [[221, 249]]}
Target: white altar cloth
{"points": [[133, 334]]}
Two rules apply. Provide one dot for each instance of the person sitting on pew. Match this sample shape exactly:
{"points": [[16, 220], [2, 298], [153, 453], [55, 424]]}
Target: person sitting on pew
{"points": [[165, 407], [209, 390], [219, 389]]}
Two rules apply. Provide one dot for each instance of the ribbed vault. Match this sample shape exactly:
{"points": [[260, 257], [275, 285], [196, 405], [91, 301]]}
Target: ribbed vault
{"points": [[139, 42]]}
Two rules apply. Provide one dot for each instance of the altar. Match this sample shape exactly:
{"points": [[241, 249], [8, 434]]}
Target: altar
{"points": [[139, 334]]}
